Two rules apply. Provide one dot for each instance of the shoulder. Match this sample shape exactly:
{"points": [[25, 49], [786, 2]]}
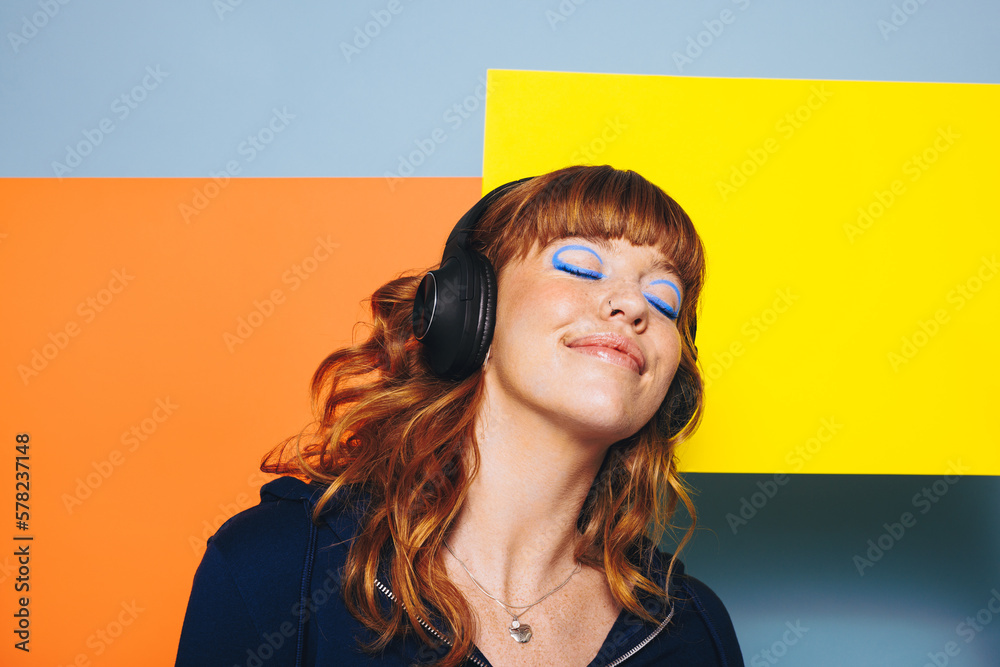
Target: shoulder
{"points": [[281, 524], [701, 616], [271, 539], [256, 577], [700, 621], [248, 580], [259, 552], [272, 528], [281, 499]]}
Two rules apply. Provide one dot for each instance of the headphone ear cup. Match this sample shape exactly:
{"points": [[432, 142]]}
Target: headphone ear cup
{"points": [[457, 331], [487, 318], [454, 310]]}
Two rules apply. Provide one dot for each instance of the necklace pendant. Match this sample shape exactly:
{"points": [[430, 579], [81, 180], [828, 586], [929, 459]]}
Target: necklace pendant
{"points": [[520, 632]]}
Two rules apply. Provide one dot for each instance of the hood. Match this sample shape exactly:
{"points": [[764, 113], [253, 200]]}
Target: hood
{"points": [[343, 514]]}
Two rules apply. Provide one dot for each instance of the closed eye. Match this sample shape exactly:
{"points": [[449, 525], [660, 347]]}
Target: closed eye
{"points": [[578, 271], [562, 265], [661, 305]]}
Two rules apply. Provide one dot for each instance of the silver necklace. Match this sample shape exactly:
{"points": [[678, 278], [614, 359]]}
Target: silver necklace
{"points": [[519, 632]]}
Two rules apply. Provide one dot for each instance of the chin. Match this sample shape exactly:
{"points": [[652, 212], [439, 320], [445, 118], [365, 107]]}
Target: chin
{"points": [[613, 416]]}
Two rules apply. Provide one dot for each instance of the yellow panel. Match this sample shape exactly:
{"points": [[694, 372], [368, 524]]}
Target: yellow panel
{"points": [[849, 323]]}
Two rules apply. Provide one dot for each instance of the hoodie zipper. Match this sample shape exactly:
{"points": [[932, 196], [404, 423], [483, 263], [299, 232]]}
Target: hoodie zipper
{"points": [[427, 626], [635, 649]]}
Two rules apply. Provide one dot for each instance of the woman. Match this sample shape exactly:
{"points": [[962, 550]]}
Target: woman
{"points": [[492, 468]]}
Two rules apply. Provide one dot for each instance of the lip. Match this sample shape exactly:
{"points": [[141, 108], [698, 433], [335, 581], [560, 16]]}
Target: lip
{"points": [[622, 350]]}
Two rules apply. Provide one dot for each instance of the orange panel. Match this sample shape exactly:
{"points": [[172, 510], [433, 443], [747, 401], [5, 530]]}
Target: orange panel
{"points": [[159, 338]]}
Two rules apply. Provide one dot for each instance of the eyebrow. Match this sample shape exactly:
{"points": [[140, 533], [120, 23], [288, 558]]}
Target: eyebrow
{"points": [[664, 264]]}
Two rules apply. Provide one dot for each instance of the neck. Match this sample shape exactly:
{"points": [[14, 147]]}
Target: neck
{"points": [[516, 530]]}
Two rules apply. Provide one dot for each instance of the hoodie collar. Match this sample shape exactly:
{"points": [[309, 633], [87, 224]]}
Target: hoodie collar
{"points": [[344, 513]]}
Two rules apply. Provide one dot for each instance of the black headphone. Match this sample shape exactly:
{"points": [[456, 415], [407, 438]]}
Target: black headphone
{"points": [[454, 312], [454, 309]]}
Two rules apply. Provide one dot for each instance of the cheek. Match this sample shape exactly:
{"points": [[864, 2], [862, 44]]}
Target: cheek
{"points": [[532, 323], [539, 307], [669, 361]]}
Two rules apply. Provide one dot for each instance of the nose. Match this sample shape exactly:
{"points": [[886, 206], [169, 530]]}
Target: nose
{"points": [[627, 303]]}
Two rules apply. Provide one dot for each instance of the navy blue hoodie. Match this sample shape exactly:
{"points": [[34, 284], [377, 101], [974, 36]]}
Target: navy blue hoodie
{"points": [[267, 593]]}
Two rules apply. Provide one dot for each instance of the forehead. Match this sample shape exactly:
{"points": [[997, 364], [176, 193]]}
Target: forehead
{"points": [[599, 213], [657, 260], [606, 231]]}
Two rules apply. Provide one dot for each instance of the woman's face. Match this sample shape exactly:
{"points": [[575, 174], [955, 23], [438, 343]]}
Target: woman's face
{"points": [[586, 336]]}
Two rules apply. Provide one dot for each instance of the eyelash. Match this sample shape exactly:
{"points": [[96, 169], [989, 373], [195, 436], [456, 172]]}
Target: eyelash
{"points": [[660, 305], [577, 271]]}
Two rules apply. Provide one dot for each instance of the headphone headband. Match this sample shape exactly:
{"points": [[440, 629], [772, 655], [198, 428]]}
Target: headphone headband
{"points": [[467, 223]]}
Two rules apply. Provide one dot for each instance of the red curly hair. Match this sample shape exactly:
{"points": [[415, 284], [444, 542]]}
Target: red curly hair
{"points": [[387, 424]]}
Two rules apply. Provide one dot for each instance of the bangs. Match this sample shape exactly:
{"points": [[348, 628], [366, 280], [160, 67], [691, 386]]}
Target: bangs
{"points": [[598, 204]]}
